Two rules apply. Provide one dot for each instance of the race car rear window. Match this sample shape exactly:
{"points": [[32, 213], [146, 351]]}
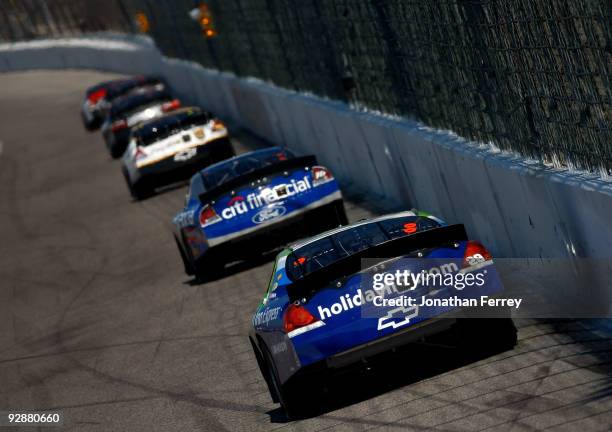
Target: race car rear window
{"points": [[218, 174], [327, 250], [123, 106], [169, 125]]}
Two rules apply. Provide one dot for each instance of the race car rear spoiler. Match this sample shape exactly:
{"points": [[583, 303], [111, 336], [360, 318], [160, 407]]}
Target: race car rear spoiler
{"points": [[303, 161], [392, 248]]}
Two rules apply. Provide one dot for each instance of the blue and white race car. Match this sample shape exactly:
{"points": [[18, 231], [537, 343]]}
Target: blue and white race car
{"points": [[253, 203], [323, 311]]}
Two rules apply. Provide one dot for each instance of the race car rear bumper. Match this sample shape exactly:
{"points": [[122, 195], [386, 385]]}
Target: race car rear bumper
{"points": [[458, 319], [355, 357], [168, 170], [390, 342], [269, 237]]}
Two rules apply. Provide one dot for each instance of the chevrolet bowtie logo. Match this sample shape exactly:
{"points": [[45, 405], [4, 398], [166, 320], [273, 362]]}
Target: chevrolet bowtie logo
{"points": [[398, 317]]}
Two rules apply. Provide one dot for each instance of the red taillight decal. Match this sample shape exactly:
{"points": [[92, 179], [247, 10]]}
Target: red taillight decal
{"points": [[139, 153], [208, 216], [475, 253], [295, 317], [118, 125], [172, 105], [96, 96], [281, 156], [321, 175]]}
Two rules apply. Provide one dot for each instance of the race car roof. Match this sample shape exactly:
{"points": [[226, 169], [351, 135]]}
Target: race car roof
{"points": [[176, 120], [123, 86], [325, 249], [307, 241]]}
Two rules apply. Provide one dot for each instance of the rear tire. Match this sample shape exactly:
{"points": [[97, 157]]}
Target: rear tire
{"points": [[209, 268], [116, 151], [140, 190], [340, 213], [186, 263], [92, 125], [263, 368], [296, 397], [227, 152]]}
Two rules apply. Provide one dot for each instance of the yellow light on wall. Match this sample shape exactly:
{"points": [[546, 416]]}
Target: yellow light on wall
{"points": [[203, 16], [142, 22]]}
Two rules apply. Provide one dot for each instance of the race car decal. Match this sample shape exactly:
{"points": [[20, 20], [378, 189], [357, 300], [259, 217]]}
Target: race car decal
{"points": [[240, 205], [199, 133], [177, 147], [213, 241], [301, 330], [269, 213], [266, 315], [347, 302], [184, 155], [398, 317]]}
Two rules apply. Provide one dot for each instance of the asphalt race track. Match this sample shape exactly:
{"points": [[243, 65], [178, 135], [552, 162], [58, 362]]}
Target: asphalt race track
{"points": [[98, 320]]}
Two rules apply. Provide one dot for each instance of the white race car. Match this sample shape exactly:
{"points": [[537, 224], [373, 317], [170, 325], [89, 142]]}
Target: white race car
{"points": [[172, 148], [131, 110]]}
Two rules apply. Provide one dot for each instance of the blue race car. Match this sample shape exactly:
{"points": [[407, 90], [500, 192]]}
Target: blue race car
{"points": [[322, 312], [253, 203]]}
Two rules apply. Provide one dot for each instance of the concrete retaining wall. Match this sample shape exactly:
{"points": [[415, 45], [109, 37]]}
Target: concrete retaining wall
{"points": [[113, 53], [518, 209]]}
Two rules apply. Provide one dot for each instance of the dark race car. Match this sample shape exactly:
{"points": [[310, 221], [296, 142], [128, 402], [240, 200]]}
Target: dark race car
{"points": [[252, 203], [98, 98], [326, 308], [129, 111], [90, 109], [173, 147]]}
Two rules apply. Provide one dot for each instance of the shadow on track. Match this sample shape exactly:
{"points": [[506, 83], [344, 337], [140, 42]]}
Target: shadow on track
{"points": [[235, 268], [390, 371]]}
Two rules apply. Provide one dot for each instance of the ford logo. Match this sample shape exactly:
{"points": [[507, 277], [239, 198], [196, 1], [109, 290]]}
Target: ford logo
{"points": [[269, 213]]}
